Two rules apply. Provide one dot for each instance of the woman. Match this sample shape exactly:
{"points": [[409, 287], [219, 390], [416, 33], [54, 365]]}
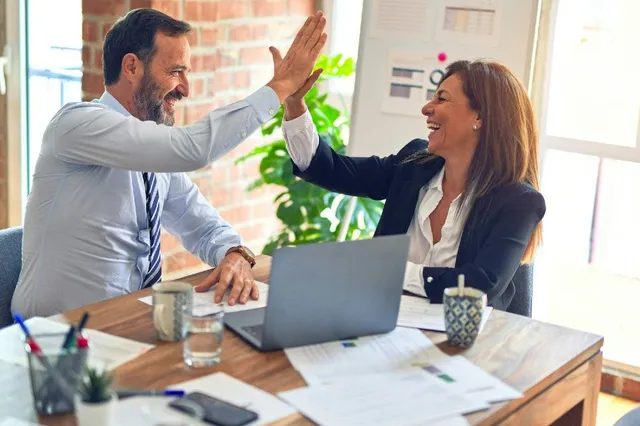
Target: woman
{"points": [[468, 197]]}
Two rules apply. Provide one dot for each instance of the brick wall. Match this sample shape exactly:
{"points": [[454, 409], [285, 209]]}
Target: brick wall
{"points": [[230, 59], [4, 190]]}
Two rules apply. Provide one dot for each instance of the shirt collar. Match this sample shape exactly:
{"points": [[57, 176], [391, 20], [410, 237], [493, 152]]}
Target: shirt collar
{"points": [[436, 181], [108, 100]]}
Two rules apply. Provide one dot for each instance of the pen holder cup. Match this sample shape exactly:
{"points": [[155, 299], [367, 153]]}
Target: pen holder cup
{"points": [[69, 364]]}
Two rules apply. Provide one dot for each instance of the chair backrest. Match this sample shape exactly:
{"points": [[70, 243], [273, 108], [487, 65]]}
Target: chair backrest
{"points": [[632, 418], [523, 299], [10, 265]]}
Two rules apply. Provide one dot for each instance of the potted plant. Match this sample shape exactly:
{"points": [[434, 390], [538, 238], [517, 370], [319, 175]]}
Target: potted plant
{"points": [[96, 399], [308, 213]]}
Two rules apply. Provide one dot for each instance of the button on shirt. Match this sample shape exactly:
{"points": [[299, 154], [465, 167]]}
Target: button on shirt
{"points": [[86, 232], [302, 140]]}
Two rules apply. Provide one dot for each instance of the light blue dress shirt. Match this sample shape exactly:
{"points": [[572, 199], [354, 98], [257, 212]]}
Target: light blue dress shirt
{"points": [[86, 233]]}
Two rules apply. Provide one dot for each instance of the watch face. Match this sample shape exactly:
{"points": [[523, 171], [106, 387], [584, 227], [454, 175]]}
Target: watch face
{"points": [[249, 252]]}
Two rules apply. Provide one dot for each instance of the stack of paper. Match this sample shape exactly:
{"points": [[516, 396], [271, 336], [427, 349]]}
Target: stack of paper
{"points": [[203, 303], [402, 370], [417, 312], [401, 348], [106, 351], [155, 410], [401, 399]]}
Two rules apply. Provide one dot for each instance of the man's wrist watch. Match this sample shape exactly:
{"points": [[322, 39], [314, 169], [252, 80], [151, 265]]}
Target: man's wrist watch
{"points": [[244, 252]]}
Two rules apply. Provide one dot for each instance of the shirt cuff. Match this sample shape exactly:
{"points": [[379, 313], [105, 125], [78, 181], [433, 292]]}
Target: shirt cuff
{"points": [[298, 124], [414, 280], [265, 102], [301, 138], [222, 252]]}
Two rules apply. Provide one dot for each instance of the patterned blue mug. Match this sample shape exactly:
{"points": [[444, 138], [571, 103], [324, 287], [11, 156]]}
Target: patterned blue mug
{"points": [[463, 315]]}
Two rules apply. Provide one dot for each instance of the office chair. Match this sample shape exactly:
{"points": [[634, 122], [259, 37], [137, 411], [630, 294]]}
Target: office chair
{"points": [[632, 418], [523, 300], [10, 265]]}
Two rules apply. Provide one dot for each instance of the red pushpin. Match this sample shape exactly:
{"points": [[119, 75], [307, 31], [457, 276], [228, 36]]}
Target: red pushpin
{"points": [[442, 56]]}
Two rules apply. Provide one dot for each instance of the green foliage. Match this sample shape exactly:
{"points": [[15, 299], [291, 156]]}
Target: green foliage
{"points": [[310, 214], [96, 386]]}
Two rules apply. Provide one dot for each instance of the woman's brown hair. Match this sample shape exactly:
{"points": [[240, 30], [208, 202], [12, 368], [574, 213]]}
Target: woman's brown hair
{"points": [[507, 150]]}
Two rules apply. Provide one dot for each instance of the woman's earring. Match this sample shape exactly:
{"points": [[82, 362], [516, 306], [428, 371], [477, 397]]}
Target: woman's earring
{"points": [[475, 127]]}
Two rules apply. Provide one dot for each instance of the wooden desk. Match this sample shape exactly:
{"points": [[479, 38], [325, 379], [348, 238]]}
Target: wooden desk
{"points": [[557, 369]]}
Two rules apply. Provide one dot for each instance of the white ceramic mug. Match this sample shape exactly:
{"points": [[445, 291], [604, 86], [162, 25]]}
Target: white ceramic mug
{"points": [[170, 301]]}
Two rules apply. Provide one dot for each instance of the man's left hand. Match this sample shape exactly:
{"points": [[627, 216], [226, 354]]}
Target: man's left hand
{"points": [[234, 271]]}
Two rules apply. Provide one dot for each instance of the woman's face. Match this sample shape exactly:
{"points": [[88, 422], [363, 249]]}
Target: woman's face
{"points": [[454, 125]]}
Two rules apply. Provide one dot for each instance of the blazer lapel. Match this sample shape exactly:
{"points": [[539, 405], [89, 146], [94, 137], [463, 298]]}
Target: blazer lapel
{"points": [[416, 178], [469, 238]]}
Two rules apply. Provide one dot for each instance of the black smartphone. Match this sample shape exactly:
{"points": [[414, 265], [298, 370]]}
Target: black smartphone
{"points": [[216, 412]]}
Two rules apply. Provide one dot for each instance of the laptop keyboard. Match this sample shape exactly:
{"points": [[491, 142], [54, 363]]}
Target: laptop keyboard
{"points": [[254, 330]]}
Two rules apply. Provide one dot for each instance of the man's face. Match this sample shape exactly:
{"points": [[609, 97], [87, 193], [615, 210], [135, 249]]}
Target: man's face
{"points": [[164, 81]]}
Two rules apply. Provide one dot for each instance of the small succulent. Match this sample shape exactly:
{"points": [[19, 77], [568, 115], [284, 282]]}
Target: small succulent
{"points": [[96, 386]]}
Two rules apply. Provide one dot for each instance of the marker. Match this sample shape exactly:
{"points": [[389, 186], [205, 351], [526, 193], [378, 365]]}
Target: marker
{"points": [[126, 393], [65, 387]]}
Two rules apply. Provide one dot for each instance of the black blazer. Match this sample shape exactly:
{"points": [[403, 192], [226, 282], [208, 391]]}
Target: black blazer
{"points": [[494, 237]]}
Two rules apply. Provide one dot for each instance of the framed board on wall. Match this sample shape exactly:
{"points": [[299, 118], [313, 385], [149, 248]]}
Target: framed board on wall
{"points": [[405, 46]]}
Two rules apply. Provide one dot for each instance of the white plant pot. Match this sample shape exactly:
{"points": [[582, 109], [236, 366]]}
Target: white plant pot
{"points": [[95, 414]]}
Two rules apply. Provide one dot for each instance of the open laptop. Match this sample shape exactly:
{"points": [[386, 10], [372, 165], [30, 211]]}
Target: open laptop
{"points": [[328, 291]]}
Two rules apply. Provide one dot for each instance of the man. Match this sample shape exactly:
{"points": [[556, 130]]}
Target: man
{"points": [[111, 172]]}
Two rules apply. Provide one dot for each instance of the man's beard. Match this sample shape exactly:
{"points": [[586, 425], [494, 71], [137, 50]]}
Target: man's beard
{"points": [[148, 106]]}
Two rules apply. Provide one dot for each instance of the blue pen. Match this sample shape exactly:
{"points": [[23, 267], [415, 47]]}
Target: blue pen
{"points": [[126, 393], [65, 387]]}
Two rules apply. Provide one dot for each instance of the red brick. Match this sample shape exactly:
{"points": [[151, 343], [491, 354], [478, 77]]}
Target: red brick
{"points": [[210, 36], [86, 57], [251, 232], [264, 210], [196, 88], [193, 11], [170, 7], [105, 29], [231, 9], [301, 7], [220, 82], [204, 184], [92, 83], [140, 4], [194, 113], [103, 7], [89, 31], [207, 62], [235, 215], [241, 79], [180, 260], [200, 11], [227, 57], [179, 116], [269, 7], [220, 173], [192, 38], [630, 389], [254, 55], [97, 58], [224, 196], [211, 62], [283, 31], [248, 32], [169, 243]]}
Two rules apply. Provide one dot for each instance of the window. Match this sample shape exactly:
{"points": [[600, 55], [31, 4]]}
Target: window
{"points": [[344, 37], [587, 274]]}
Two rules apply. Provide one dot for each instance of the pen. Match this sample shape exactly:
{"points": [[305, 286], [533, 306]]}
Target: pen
{"points": [[126, 393], [37, 351], [83, 321], [68, 340]]}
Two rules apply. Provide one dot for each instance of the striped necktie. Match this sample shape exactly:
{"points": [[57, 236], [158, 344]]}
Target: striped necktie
{"points": [[155, 262]]}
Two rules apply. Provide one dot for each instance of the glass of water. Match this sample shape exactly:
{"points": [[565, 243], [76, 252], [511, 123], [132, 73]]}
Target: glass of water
{"points": [[203, 345]]}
